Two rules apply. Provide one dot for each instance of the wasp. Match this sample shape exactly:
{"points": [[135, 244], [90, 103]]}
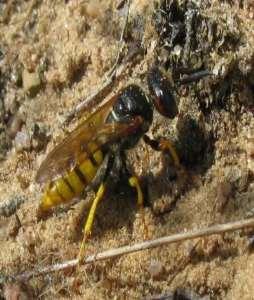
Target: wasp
{"points": [[99, 144]]}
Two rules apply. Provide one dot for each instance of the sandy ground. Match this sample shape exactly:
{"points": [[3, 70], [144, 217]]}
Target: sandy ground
{"points": [[55, 53]]}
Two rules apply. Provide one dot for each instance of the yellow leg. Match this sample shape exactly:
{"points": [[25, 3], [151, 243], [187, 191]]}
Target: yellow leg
{"points": [[134, 182], [89, 222], [165, 145]]}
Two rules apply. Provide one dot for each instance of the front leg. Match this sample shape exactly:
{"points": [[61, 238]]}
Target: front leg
{"points": [[164, 145]]}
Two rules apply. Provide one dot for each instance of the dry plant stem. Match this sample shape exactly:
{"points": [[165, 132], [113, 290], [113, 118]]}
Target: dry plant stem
{"points": [[113, 73], [216, 229]]}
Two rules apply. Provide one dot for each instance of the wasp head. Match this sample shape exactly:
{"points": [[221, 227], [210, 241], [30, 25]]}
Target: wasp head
{"points": [[161, 93]]}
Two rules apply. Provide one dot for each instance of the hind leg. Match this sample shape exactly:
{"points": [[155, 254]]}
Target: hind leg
{"points": [[103, 187], [90, 219]]}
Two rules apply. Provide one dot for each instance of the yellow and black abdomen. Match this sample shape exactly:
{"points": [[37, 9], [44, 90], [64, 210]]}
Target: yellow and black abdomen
{"points": [[73, 183]]}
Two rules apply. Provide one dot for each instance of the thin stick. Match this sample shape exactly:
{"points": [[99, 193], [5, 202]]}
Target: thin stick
{"points": [[195, 77], [216, 229], [112, 74]]}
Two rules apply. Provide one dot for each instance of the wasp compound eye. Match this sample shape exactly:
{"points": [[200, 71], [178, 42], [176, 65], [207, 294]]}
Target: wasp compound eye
{"points": [[161, 93]]}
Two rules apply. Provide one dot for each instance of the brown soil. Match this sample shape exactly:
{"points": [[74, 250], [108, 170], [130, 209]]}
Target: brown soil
{"points": [[69, 46]]}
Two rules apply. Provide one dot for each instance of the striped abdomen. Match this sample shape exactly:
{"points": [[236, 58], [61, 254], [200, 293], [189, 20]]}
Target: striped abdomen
{"points": [[72, 184]]}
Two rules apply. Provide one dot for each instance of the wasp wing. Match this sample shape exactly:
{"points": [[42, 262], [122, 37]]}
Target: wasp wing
{"points": [[72, 150]]}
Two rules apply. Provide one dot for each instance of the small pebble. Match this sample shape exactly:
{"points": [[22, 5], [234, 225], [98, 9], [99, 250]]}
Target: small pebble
{"points": [[15, 124], [156, 269], [22, 141], [223, 193], [14, 225], [14, 291], [31, 83]]}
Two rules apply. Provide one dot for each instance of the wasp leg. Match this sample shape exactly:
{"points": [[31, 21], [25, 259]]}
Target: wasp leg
{"points": [[165, 146], [89, 222], [98, 197], [134, 182]]}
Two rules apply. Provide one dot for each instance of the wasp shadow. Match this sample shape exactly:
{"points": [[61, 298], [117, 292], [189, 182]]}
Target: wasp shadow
{"points": [[195, 148]]}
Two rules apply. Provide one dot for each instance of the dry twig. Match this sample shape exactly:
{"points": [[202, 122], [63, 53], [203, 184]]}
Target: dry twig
{"points": [[216, 229], [115, 72]]}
